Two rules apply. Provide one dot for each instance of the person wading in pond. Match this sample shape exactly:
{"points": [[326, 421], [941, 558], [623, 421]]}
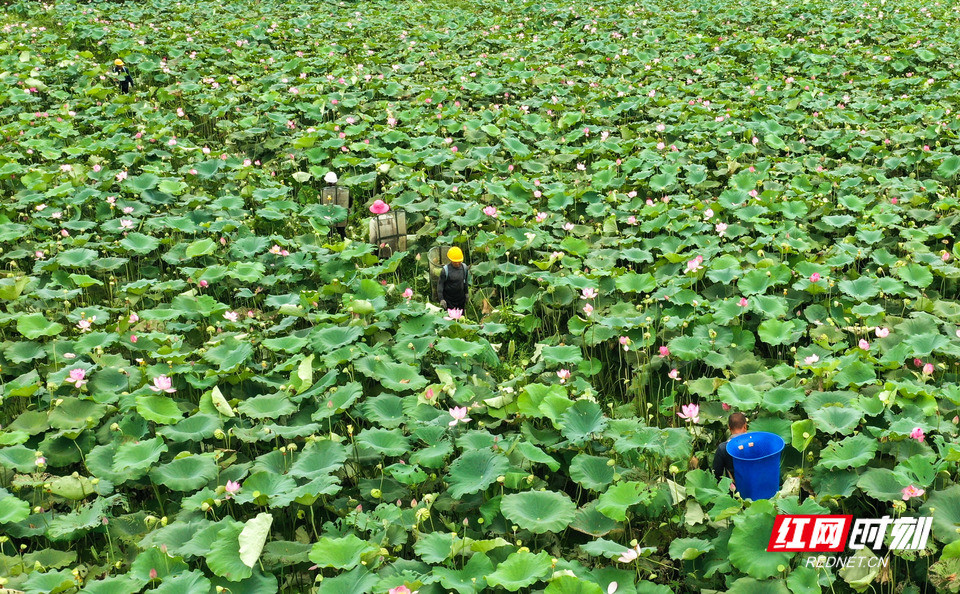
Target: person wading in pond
{"points": [[722, 461], [123, 76], [454, 282]]}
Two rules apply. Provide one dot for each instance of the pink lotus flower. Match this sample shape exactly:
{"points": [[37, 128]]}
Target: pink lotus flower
{"points": [[664, 351], [588, 309], [454, 314], [694, 265], [743, 302], [814, 277], [84, 324], [721, 228], [541, 216], [41, 461], [401, 590], [917, 362], [630, 555], [379, 207], [568, 226], [490, 211], [564, 375], [232, 487], [408, 293], [928, 369], [708, 214], [126, 224], [631, 220], [674, 374], [153, 573], [883, 332], [97, 168], [133, 338], [625, 343], [863, 344], [76, 377], [231, 316], [811, 359], [459, 414], [945, 257], [911, 492], [428, 393], [589, 293], [725, 406], [64, 233], [162, 384], [203, 283], [917, 434], [690, 412]]}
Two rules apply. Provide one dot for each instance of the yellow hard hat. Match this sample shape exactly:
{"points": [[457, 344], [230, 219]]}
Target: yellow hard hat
{"points": [[118, 62], [455, 254]]}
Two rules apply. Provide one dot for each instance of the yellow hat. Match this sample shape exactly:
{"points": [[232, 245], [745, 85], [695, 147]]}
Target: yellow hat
{"points": [[118, 62], [455, 254]]}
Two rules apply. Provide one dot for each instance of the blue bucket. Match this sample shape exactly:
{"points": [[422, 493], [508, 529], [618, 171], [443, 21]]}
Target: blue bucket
{"points": [[756, 463]]}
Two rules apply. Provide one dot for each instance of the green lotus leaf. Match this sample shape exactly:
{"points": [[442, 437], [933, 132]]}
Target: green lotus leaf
{"points": [[12, 509], [616, 500], [268, 488], [253, 537], [223, 558], [134, 458], [944, 506], [435, 547], [567, 584], [687, 549], [162, 410], [319, 458], [138, 243], [196, 427], [393, 376], [882, 484], [581, 421], [468, 580], [340, 553], [539, 511], [188, 473], [385, 442], [837, 419], [267, 406], [520, 570], [591, 472], [35, 325], [851, 452], [749, 553], [474, 471]]}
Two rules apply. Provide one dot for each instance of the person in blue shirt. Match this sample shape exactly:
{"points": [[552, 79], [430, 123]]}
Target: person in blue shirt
{"points": [[722, 461]]}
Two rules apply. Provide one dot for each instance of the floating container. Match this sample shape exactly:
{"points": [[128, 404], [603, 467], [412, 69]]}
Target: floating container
{"points": [[756, 463]]}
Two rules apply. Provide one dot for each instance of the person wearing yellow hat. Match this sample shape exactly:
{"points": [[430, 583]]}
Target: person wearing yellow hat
{"points": [[123, 75], [453, 286]]}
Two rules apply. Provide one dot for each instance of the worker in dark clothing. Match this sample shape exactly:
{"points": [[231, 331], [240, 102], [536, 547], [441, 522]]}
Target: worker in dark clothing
{"points": [[123, 76], [454, 282], [723, 461]]}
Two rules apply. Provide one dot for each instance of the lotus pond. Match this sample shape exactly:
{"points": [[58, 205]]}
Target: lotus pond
{"points": [[670, 210]]}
